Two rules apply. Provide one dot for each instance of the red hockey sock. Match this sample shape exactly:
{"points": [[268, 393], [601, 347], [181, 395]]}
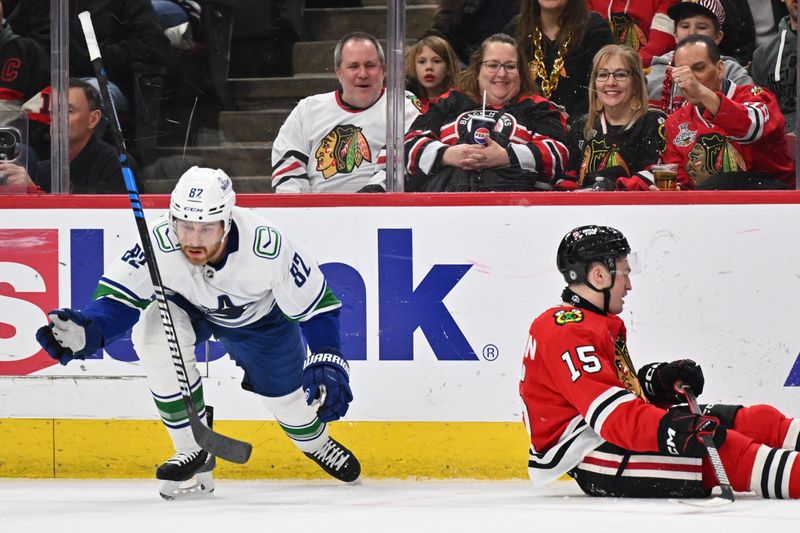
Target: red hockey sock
{"points": [[767, 425], [738, 454]]}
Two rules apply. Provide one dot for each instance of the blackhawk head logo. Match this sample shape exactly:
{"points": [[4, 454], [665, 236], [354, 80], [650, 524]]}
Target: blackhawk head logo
{"points": [[342, 150]]}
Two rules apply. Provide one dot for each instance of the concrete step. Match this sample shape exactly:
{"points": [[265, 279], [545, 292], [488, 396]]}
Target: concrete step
{"points": [[317, 56], [249, 126], [331, 23], [240, 159], [241, 184], [251, 92]]}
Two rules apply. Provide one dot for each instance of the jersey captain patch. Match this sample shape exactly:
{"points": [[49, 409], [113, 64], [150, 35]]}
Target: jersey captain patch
{"points": [[568, 316]]}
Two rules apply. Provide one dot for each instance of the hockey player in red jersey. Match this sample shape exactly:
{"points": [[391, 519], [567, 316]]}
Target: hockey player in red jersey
{"points": [[622, 433]]}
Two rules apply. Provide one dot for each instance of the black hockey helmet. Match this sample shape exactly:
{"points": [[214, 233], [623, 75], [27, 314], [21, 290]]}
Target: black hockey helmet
{"points": [[587, 244]]}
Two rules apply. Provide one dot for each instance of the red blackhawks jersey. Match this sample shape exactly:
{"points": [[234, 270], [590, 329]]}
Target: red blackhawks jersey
{"points": [[580, 390], [641, 24], [746, 135]]}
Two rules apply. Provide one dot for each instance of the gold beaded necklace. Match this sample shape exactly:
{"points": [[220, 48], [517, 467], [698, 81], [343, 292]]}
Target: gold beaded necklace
{"points": [[549, 83]]}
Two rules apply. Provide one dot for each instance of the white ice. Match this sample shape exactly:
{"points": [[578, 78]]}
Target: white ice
{"points": [[118, 506]]}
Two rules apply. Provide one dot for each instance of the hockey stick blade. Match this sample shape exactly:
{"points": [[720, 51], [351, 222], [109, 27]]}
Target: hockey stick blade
{"points": [[715, 502], [219, 445], [711, 448], [228, 448]]}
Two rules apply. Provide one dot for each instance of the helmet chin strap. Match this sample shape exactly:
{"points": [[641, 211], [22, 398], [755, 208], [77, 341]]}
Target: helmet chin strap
{"points": [[570, 296], [606, 293]]}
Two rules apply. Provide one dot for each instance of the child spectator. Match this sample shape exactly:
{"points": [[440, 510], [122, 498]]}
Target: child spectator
{"points": [[431, 69], [692, 17]]}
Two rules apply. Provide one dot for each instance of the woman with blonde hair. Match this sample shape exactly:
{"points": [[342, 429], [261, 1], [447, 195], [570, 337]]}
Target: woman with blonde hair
{"points": [[617, 142], [432, 69]]}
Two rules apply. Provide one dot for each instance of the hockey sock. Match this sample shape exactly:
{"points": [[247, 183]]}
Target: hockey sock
{"points": [[298, 420], [767, 425], [776, 473], [175, 418], [770, 472], [738, 453]]}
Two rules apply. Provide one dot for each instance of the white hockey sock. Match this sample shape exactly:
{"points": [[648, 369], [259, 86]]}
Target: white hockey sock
{"points": [[298, 420], [772, 471]]}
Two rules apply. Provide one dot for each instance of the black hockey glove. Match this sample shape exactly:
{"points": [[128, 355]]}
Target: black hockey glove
{"points": [[332, 372], [70, 335], [679, 433], [658, 380]]}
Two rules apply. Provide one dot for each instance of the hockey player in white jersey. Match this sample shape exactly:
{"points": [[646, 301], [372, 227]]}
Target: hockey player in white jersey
{"points": [[229, 273]]}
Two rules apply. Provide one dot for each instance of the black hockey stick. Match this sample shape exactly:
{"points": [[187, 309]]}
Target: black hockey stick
{"points": [[223, 447], [713, 454]]}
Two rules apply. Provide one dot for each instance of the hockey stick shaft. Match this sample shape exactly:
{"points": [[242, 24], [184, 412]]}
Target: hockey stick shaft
{"points": [[711, 448], [224, 447]]}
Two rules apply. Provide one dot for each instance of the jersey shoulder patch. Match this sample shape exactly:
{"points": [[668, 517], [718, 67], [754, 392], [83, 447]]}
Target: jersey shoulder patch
{"points": [[267, 242], [165, 237], [563, 317]]}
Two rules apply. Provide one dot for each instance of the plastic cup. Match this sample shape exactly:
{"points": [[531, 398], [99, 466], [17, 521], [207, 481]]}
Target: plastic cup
{"points": [[665, 176], [480, 128]]}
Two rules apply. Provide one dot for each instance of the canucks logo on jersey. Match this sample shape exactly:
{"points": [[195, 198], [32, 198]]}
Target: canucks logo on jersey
{"points": [[226, 310]]}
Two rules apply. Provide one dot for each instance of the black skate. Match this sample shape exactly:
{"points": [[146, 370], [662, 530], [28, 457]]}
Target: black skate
{"points": [[188, 474], [337, 461], [184, 465]]}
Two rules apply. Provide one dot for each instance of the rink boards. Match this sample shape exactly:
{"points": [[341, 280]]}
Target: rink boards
{"points": [[439, 292]]}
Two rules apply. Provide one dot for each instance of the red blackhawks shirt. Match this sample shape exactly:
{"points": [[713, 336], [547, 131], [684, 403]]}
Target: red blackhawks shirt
{"points": [[746, 135], [580, 390]]}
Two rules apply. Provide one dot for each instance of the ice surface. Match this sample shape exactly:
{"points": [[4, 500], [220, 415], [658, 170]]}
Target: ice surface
{"points": [[117, 506]]}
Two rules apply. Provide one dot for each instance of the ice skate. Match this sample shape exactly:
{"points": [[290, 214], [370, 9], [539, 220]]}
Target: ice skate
{"points": [[337, 461], [187, 475]]}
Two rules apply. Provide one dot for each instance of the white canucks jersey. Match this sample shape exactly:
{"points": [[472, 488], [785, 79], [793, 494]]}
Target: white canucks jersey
{"points": [[262, 269], [326, 146]]}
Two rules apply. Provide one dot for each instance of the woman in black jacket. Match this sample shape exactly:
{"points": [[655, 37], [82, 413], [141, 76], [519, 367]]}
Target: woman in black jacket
{"points": [[560, 38]]}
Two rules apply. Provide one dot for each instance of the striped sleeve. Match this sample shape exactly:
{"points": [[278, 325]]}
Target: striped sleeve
{"points": [[747, 114], [290, 154]]}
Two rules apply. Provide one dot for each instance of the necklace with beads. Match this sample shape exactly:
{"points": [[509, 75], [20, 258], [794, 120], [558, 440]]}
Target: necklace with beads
{"points": [[548, 83]]}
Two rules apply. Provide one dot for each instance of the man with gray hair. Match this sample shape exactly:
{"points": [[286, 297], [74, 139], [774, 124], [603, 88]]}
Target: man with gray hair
{"points": [[336, 141]]}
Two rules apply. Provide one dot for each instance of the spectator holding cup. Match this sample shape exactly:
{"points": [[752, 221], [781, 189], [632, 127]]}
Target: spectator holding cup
{"points": [[493, 133], [615, 145]]}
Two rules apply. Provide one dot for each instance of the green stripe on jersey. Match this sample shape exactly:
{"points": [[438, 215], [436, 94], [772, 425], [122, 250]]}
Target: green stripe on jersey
{"points": [[106, 291], [327, 302]]}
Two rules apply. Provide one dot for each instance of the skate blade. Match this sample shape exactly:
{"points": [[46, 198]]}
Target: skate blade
{"points": [[199, 486]]}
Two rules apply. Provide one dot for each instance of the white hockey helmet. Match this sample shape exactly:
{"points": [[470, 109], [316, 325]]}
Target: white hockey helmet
{"points": [[203, 195]]}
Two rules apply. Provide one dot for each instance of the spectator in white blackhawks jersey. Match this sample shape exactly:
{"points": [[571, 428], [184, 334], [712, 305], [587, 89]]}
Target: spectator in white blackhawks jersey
{"points": [[336, 142], [625, 434], [231, 274]]}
